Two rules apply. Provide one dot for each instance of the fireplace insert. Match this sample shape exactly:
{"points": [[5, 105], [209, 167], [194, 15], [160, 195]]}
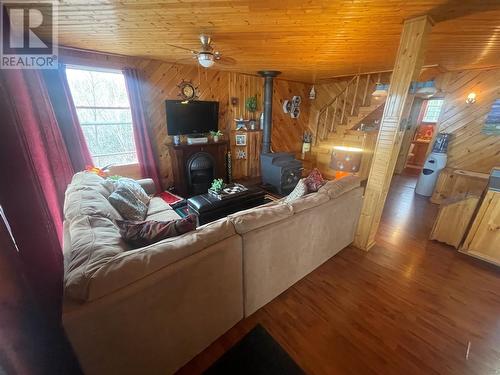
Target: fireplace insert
{"points": [[200, 171]]}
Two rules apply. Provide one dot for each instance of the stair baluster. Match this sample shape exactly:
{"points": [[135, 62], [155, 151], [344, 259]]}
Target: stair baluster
{"points": [[366, 89], [355, 96]]}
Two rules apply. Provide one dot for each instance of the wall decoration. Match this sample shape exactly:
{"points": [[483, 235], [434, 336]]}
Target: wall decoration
{"points": [[251, 104], [492, 123], [229, 167], [292, 106], [240, 124], [241, 139], [187, 90], [241, 154], [287, 106]]}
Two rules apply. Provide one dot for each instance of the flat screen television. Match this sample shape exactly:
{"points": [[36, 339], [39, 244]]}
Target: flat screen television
{"points": [[191, 117]]}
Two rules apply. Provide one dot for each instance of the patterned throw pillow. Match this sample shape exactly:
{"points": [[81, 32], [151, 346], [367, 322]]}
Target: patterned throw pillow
{"points": [[135, 188], [127, 203], [299, 191], [143, 233], [314, 181]]}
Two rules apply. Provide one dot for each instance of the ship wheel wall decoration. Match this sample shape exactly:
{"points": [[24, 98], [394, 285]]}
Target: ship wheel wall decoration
{"points": [[188, 91]]}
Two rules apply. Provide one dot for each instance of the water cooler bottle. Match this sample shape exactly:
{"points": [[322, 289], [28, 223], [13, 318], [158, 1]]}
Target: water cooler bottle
{"points": [[433, 165]]}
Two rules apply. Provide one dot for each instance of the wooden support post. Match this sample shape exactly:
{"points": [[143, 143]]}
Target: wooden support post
{"points": [[409, 61]]}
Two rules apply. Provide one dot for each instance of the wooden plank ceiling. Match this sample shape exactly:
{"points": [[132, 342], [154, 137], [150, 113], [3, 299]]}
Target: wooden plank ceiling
{"points": [[307, 40]]}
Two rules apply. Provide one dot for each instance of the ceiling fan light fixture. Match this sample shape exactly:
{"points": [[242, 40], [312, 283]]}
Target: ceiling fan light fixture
{"points": [[206, 59]]}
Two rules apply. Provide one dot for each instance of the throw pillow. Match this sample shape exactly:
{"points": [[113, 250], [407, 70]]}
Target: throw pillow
{"points": [[299, 191], [134, 187], [125, 201], [314, 181], [143, 233]]}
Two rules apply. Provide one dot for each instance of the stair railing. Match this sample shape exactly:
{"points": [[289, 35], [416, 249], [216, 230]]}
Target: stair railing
{"points": [[336, 111]]}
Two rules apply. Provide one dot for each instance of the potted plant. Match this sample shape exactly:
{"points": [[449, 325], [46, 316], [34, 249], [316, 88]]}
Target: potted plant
{"points": [[215, 135], [217, 186], [251, 106]]}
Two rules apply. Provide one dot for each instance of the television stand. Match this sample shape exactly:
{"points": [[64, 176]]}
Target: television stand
{"points": [[196, 139]]}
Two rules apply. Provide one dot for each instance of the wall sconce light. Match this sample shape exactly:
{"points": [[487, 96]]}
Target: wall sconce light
{"points": [[471, 98], [312, 93]]}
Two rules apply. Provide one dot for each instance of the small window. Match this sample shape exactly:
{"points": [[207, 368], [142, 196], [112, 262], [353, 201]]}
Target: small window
{"points": [[432, 110], [103, 110]]}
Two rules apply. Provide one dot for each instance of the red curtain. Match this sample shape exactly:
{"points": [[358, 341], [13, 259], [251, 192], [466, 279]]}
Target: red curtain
{"points": [[67, 119], [30, 343], [145, 154], [35, 172]]}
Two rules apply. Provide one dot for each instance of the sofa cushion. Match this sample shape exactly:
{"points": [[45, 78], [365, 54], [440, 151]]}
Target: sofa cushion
{"points": [[133, 265], [157, 204], [94, 241], [309, 201], [248, 220], [143, 233], [338, 187], [91, 181], [88, 203]]}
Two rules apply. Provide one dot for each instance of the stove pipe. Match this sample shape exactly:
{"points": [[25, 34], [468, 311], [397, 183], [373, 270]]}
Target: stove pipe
{"points": [[268, 108]]}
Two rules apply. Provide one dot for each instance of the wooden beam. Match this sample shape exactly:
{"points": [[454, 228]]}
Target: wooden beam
{"points": [[409, 61]]}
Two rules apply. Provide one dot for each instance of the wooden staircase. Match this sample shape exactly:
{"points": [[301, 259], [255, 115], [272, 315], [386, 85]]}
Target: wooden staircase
{"points": [[339, 121]]}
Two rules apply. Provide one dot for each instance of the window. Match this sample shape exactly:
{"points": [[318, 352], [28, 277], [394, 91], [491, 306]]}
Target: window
{"points": [[103, 109], [432, 110]]}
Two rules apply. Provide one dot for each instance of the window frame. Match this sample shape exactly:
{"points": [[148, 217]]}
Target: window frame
{"points": [[127, 166], [426, 109]]}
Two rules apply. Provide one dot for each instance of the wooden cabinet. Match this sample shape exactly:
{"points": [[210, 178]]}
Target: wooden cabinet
{"points": [[180, 155], [453, 220], [453, 182], [483, 239], [246, 166]]}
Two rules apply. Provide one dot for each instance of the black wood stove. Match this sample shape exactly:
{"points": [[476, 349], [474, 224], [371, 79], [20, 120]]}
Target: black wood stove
{"points": [[280, 170]]}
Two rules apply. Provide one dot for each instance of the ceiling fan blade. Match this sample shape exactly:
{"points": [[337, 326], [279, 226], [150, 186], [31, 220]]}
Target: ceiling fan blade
{"points": [[187, 61], [184, 48], [225, 60]]}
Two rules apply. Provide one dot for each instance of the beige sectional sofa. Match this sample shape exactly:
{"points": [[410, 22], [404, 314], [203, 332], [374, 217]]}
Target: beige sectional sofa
{"points": [[150, 310]]}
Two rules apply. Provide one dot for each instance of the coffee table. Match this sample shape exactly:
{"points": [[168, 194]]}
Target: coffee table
{"points": [[208, 208]]}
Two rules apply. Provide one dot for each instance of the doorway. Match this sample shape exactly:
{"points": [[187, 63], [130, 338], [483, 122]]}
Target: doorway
{"points": [[425, 128]]}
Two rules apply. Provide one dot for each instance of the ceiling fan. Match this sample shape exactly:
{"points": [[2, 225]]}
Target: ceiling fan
{"points": [[207, 56]]}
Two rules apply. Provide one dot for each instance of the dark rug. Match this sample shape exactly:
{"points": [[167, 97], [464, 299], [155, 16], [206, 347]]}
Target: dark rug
{"points": [[256, 354]]}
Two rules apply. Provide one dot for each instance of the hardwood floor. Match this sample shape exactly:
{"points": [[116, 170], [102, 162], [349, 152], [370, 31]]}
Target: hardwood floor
{"points": [[409, 306]]}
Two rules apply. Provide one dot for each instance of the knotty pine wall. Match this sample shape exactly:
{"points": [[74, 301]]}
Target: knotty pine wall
{"points": [[160, 80], [469, 149]]}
